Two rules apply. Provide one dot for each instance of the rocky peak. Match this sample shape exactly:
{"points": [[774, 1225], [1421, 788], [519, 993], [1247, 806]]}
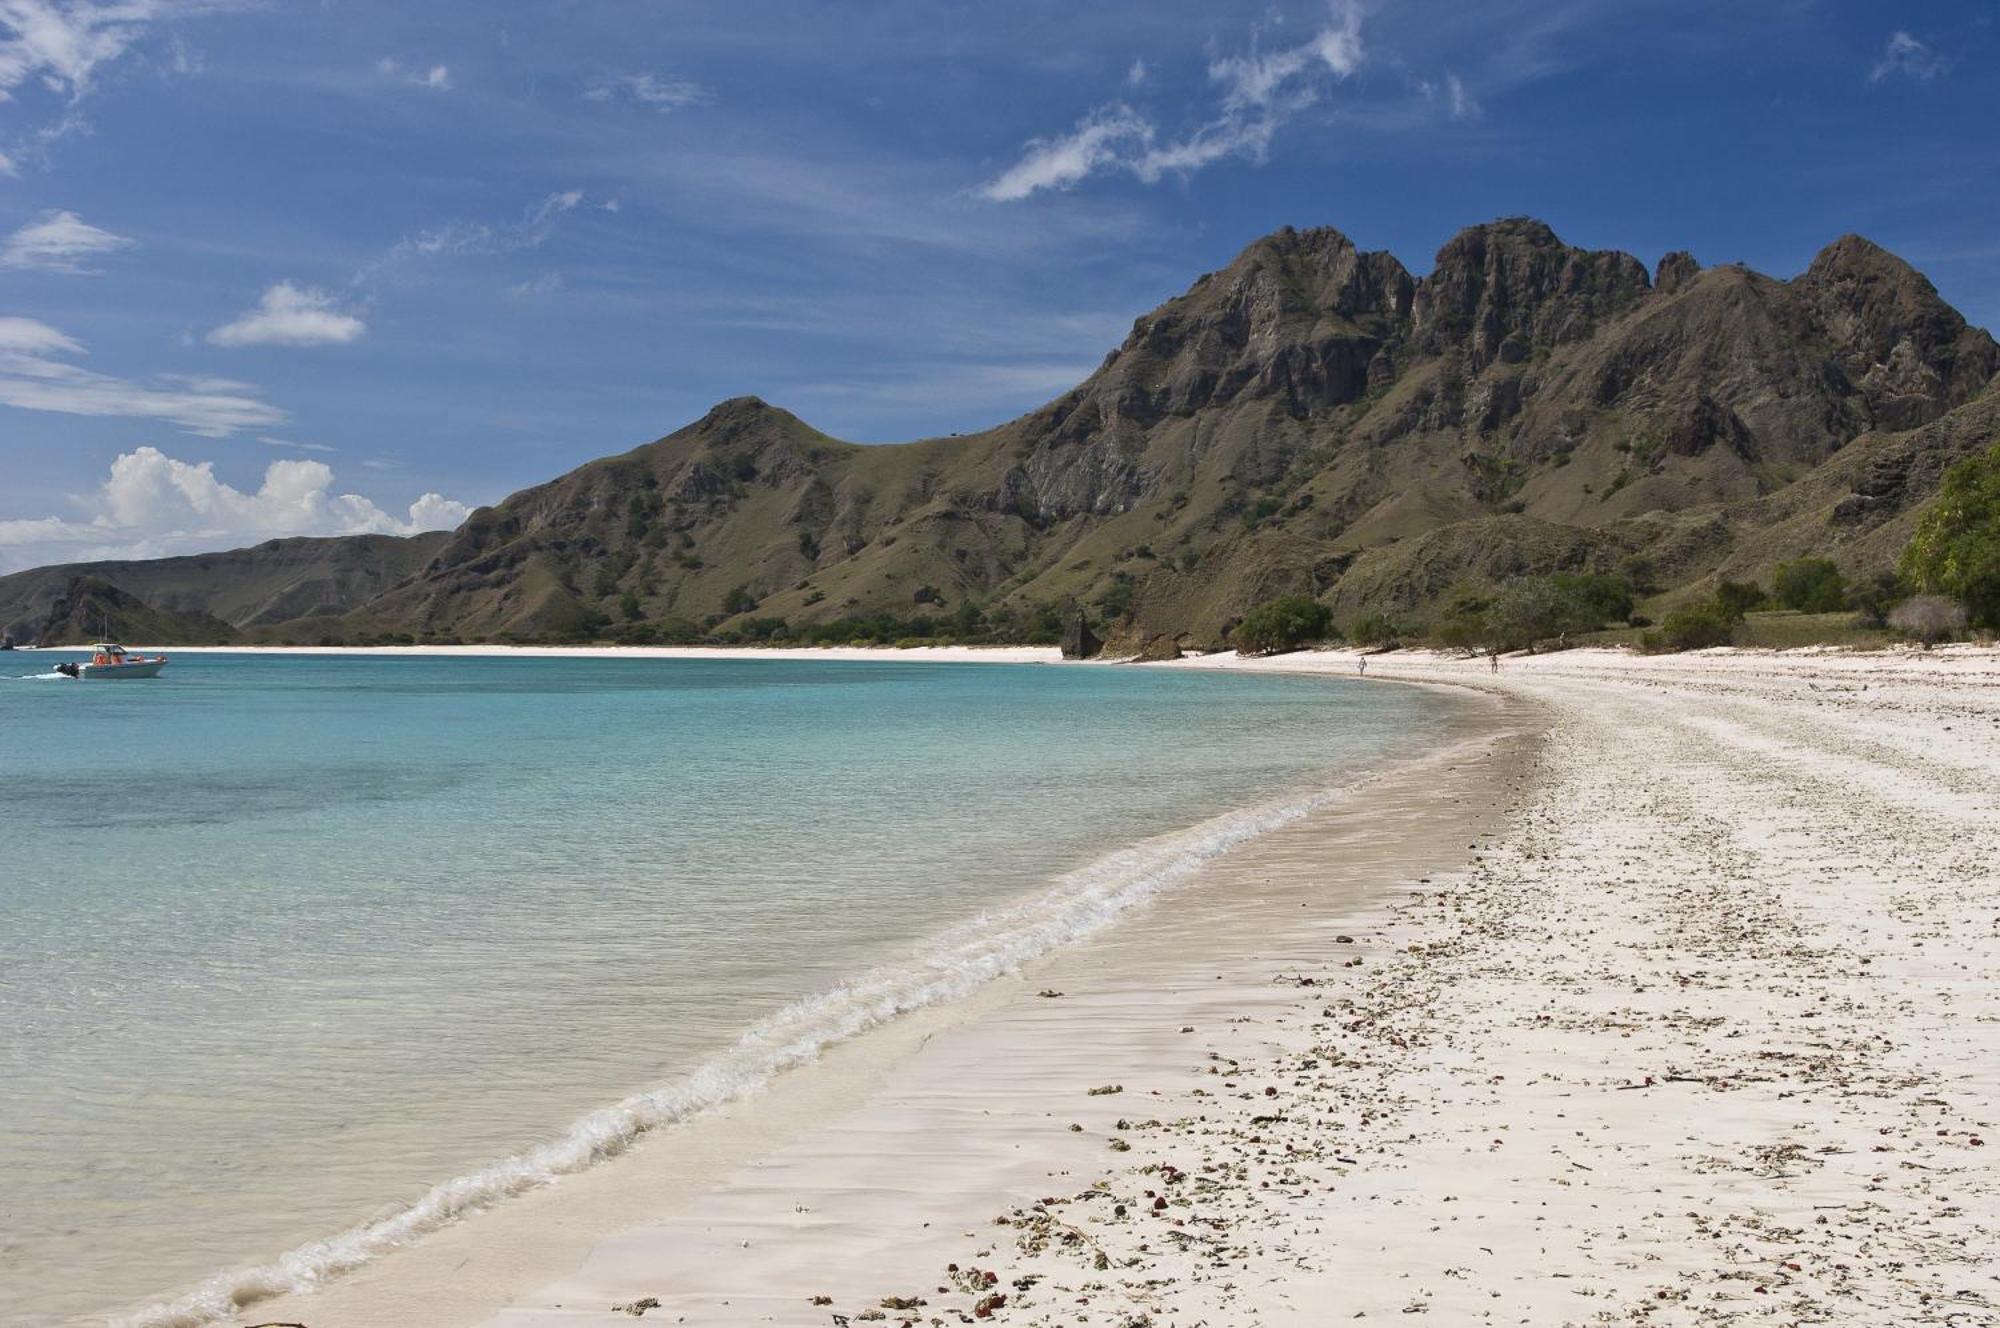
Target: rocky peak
{"points": [[1294, 319], [1675, 271], [1507, 288], [738, 416], [1913, 355]]}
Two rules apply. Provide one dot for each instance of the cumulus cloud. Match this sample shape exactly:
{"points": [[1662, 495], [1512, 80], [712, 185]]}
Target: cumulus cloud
{"points": [[1259, 91], [37, 373], [59, 242], [152, 505], [661, 94], [1903, 56], [289, 315]]}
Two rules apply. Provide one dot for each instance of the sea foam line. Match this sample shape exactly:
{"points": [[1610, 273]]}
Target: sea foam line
{"points": [[1075, 905]]}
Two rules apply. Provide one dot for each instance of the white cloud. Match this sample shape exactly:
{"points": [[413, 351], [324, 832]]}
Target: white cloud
{"points": [[463, 238], [1260, 91], [152, 505], [27, 337], [61, 44], [1905, 57], [1137, 74], [1463, 105], [7, 166], [59, 242], [436, 78], [289, 315], [290, 446], [662, 94], [34, 375], [546, 284], [1100, 139]]}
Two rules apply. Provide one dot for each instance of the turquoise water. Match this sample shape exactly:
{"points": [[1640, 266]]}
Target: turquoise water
{"points": [[288, 941]]}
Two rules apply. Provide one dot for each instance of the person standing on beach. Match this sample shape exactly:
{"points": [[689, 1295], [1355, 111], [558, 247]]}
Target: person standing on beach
{"points": [[1493, 659], [1362, 663]]}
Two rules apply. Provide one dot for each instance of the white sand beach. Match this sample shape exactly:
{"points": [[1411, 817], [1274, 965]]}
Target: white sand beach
{"points": [[1665, 997]]}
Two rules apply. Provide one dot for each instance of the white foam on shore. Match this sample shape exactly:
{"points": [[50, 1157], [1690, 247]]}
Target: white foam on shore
{"points": [[948, 966]]}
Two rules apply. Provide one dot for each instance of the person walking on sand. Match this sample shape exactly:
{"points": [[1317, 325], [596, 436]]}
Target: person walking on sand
{"points": [[1363, 664], [1493, 659]]}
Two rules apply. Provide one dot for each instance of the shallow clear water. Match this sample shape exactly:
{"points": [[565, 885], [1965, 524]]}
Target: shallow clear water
{"points": [[287, 941]]}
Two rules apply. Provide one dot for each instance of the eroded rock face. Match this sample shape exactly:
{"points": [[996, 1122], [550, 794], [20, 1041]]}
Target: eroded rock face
{"points": [[1674, 273], [1504, 290], [1078, 641], [1298, 318], [1911, 355]]}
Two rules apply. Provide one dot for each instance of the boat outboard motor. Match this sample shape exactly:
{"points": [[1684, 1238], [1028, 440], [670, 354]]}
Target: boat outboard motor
{"points": [[69, 670]]}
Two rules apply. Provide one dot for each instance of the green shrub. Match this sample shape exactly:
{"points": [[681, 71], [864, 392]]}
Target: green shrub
{"points": [[739, 600], [1539, 607], [1595, 598], [1737, 598], [1699, 626], [1810, 585], [1873, 598], [1376, 629], [1285, 623], [1956, 550]]}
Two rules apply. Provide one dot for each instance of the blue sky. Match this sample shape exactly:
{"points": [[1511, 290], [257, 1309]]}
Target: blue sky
{"points": [[277, 268]]}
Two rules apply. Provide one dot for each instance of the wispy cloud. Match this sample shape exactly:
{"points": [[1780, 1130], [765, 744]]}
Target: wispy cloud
{"points": [[652, 90], [458, 239], [1111, 135], [59, 242], [288, 445], [1903, 56], [289, 315], [436, 78], [26, 336], [62, 45], [7, 166], [546, 284], [1463, 105], [36, 373], [1260, 91], [152, 505]]}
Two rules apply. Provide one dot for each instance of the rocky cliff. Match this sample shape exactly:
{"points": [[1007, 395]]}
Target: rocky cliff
{"points": [[1312, 418]]}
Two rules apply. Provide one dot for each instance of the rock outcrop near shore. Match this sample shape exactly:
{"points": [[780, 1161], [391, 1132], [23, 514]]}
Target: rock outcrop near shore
{"points": [[1311, 419]]}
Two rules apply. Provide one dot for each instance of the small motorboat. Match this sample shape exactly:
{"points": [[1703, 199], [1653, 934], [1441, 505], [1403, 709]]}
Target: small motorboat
{"points": [[109, 660]]}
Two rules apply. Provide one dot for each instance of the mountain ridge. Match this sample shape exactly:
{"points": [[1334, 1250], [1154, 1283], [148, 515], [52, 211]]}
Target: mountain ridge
{"points": [[1310, 418]]}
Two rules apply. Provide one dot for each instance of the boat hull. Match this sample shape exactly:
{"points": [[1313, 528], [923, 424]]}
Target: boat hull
{"points": [[109, 672]]}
